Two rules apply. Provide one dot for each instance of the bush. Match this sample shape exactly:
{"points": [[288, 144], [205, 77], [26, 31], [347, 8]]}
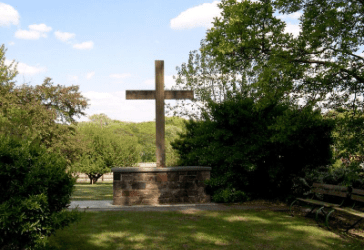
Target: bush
{"points": [[257, 151], [35, 189]]}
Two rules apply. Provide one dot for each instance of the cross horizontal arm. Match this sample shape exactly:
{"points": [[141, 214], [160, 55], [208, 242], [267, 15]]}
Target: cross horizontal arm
{"points": [[150, 94]]}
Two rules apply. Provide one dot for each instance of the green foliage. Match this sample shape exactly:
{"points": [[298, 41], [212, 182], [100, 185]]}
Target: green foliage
{"points": [[322, 62], [254, 151], [35, 189], [31, 113], [107, 148], [145, 134], [347, 151]]}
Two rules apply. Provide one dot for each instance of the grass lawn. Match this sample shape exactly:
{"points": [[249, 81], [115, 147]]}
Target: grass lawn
{"points": [[234, 229], [98, 191]]}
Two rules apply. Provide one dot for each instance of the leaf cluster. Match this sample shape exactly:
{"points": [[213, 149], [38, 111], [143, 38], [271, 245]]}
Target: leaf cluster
{"points": [[254, 151], [34, 192]]}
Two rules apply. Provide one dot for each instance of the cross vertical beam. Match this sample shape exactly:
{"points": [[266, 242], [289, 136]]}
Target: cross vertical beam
{"points": [[159, 112], [159, 95]]}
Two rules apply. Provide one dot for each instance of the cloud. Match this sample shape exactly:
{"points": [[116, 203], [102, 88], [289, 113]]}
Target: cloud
{"points": [[42, 28], [294, 29], [294, 15], [26, 69], [72, 78], [11, 43], [8, 15], [114, 105], [27, 34], [64, 36], [90, 75], [35, 32], [120, 76], [199, 16], [84, 45]]}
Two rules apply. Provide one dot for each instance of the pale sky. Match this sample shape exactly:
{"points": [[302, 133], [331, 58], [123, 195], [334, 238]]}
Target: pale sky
{"points": [[106, 47]]}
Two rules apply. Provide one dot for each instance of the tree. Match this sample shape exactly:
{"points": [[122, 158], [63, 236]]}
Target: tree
{"points": [[100, 119], [35, 154], [321, 63], [106, 148], [322, 67], [40, 113], [202, 74]]}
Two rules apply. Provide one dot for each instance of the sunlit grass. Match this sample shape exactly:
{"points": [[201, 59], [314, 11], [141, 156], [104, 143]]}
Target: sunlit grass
{"points": [[234, 229], [98, 191]]}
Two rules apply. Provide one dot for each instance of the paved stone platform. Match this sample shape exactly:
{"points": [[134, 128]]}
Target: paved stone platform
{"points": [[106, 205]]}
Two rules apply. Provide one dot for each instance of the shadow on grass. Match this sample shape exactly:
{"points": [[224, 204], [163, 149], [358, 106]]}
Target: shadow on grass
{"points": [[190, 229]]}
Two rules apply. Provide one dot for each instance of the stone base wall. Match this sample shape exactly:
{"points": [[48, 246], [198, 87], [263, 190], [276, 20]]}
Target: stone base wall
{"points": [[153, 186]]}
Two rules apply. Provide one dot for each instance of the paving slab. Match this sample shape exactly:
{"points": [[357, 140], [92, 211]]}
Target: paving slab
{"points": [[106, 205]]}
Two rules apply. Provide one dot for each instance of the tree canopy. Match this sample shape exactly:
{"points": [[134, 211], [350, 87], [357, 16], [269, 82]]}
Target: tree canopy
{"points": [[41, 114], [247, 50], [106, 148], [322, 63]]}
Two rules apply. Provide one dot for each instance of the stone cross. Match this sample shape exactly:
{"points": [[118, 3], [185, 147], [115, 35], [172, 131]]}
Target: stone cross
{"points": [[159, 95]]}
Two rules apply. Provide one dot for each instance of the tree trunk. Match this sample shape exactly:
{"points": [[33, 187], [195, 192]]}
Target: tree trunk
{"points": [[94, 178]]}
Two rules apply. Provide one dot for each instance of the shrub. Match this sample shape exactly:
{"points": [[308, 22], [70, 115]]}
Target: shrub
{"points": [[35, 189], [256, 150]]}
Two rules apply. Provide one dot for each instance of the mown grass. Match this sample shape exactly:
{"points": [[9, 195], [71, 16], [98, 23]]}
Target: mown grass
{"points": [[98, 191], [232, 229]]}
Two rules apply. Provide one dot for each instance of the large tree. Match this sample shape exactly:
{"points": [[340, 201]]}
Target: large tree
{"points": [[248, 50], [42, 113], [323, 62], [106, 148], [35, 151]]}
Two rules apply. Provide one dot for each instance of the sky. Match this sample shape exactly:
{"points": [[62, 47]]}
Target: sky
{"points": [[107, 47]]}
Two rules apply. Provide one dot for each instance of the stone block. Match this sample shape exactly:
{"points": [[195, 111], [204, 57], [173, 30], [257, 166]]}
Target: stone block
{"points": [[125, 185], [192, 172], [192, 192], [184, 178], [129, 193], [116, 185], [163, 177], [117, 176], [173, 176], [117, 192], [138, 185], [128, 177], [173, 185], [191, 199], [144, 176], [126, 201], [151, 186], [187, 185], [201, 190], [152, 201]]}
